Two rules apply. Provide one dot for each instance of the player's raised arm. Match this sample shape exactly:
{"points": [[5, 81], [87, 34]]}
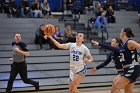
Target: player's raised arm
{"points": [[62, 46], [106, 46]]}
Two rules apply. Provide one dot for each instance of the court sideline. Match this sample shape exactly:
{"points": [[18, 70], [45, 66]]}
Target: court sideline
{"points": [[86, 90]]}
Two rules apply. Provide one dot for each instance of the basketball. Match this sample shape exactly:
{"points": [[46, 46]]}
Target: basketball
{"points": [[49, 29]]}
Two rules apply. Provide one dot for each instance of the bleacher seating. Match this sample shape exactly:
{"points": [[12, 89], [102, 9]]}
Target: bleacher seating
{"points": [[51, 67]]}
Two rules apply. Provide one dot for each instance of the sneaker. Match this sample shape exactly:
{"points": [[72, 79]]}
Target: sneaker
{"points": [[37, 86]]}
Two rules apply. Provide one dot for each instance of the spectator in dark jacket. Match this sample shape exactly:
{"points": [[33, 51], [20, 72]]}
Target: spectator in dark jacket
{"points": [[110, 15], [40, 39], [35, 10], [25, 8], [14, 9]]}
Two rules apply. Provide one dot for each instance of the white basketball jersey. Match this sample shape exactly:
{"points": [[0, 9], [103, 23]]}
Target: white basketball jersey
{"points": [[77, 53]]}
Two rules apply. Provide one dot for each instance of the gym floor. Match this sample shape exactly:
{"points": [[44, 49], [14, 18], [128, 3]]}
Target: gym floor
{"points": [[87, 90]]}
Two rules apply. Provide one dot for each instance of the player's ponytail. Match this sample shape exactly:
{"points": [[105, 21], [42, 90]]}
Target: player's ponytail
{"points": [[129, 32]]}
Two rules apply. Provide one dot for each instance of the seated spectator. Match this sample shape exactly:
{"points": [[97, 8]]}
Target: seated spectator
{"points": [[45, 8], [110, 15], [97, 9], [68, 4], [1, 6], [101, 10], [57, 36], [35, 10], [25, 8], [100, 23], [78, 7], [14, 9], [40, 39], [88, 3], [69, 34], [6, 6]]}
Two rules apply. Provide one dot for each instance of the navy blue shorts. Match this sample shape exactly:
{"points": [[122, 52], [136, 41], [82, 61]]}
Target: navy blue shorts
{"points": [[131, 73]]}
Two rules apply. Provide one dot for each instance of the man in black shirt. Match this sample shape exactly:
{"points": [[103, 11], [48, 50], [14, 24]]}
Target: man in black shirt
{"points": [[19, 65]]}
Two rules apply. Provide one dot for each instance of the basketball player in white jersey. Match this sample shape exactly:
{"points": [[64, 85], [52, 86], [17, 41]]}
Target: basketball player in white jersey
{"points": [[79, 55]]}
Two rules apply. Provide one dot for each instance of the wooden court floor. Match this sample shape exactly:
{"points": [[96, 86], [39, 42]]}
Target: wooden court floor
{"points": [[87, 90]]}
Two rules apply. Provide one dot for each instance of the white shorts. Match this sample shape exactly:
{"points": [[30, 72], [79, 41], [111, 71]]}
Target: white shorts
{"points": [[81, 69]]}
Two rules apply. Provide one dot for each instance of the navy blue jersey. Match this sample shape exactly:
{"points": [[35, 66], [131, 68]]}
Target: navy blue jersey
{"points": [[128, 56], [114, 56], [130, 64]]}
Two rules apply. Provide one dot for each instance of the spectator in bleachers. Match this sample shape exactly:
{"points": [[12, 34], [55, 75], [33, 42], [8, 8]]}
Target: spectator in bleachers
{"points": [[14, 9], [101, 23], [101, 10], [6, 6], [1, 6], [88, 3], [25, 8], [35, 10], [110, 15], [58, 36], [45, 8], [69, 34], [78, 7], [97, 9], [68, 4], [97, 12], [40, 39]]}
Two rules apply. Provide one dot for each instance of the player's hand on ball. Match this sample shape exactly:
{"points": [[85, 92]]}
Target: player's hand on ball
{"points": [[49, 29]]}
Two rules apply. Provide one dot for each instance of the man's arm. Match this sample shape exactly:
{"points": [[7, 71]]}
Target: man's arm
{"points": [[25, 53]]}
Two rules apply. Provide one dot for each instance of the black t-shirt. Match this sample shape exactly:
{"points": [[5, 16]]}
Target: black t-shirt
{"points": [[18, 57]]}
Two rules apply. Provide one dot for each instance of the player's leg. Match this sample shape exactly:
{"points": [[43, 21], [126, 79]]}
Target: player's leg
{"points": [[119, 83], [75, 83]]}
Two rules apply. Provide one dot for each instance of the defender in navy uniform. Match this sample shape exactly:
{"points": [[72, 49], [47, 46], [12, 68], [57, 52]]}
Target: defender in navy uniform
{"points": [[129, 59], [114, 56], [19, 65], [131, 68]]}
